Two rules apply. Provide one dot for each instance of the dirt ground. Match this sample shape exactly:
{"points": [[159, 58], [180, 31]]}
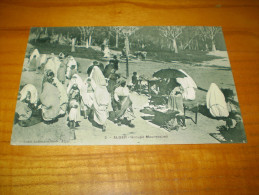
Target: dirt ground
{"points": [[144, 132]]}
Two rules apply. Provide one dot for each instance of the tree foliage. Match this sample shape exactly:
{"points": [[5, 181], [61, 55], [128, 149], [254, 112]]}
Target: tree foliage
{"points": [[147, 38]]}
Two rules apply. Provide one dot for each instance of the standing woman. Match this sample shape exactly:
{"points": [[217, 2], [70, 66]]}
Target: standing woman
{"points": [[61, 74], [102, 98], [123, 105], [175, 103], [33, 63]]}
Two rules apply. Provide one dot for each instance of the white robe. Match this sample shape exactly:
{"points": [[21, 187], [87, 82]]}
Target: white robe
{"points": [[106, 52], [35, 53], [62, 95], [88, 95], [188, 85], [101, 104], [43, 59], [216, 102], [74, 113], [102, 98], [34, 94], [71, 62], [53, 65], [76, 79]]}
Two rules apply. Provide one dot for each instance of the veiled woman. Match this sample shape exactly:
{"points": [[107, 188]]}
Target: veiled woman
{"points": [[26, 112], [53, 98], [123, 106], [102, 98]]}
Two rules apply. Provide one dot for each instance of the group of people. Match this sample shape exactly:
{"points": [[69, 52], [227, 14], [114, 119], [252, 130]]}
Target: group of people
{"points": [[102, 95]]}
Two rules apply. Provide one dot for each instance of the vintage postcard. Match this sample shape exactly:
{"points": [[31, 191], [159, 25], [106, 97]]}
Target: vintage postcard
{"points": [[127, 85]]}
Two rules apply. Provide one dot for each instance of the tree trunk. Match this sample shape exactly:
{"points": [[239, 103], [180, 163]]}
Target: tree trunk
{"points": [[117, 40], [181, 45], [127, 55], [175, 46], [86, 43], [206, 47], [73, 45], [197, 45], [90, 41], [169, 46], [213, 47], [127, 66]]}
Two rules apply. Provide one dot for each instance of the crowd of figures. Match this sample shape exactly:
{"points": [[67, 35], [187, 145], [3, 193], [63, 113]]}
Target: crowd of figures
{"points": [[102, 95]]}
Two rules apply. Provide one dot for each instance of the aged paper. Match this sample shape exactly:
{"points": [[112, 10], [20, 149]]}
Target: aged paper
{"points": [[127, 85]]}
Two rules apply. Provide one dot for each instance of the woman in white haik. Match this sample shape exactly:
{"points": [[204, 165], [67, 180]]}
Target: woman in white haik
{"points": [[87, 98], [102, 98], [188, 86], [76, 91], [216, 102]]}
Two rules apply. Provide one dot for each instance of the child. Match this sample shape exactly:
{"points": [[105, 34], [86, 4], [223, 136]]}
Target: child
{"points": [[135, 81], [74, 112]]}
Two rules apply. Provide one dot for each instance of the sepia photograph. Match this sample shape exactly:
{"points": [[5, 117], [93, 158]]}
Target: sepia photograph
{"points": [[127, 85]]}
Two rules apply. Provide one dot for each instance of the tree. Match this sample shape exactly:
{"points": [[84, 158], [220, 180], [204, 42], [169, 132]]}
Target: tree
{"points": [[128, 31], [73, 44], [189, 38], [117, 30], [171, 33], [210, 32], [86, 35]]}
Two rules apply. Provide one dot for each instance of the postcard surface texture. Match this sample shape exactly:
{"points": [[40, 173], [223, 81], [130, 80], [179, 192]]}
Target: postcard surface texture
{"points": [[127, 85]]}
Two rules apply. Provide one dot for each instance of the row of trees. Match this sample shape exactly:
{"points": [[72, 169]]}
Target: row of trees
{"points": [[171, 38]]}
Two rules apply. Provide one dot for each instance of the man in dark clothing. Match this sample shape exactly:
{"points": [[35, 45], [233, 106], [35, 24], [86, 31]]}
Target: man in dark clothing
{"points": [[109, 69], [101, 66], [115, 62], [89, 70], [135, 81]]}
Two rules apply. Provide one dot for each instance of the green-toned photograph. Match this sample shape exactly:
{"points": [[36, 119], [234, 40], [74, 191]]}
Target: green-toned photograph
{"points": [[127, 85]]}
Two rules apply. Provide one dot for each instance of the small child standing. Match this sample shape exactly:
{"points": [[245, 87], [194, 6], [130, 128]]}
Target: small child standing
{"points": [[74, 107], [135, 81]]}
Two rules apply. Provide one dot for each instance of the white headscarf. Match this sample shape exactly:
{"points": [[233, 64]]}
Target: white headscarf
{"points": [[97, 78], [34, 94], [216, 102], [76, 79]]}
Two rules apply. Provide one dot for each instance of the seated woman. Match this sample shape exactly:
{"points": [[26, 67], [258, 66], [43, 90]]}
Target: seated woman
{"points": [[175, 103], [123, 106], [216, 102], [33, 63], [26, 113], [53, 98], [233, 131]]}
